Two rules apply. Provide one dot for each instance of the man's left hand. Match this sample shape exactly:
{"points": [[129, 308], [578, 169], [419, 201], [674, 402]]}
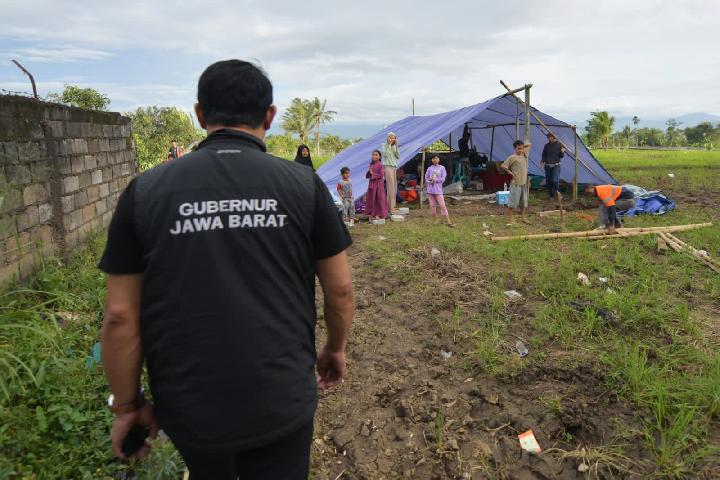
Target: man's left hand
{"points": [[124, 422]]}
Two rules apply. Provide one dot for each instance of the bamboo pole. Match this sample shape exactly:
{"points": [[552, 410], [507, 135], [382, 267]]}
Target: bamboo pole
{"points": [[550, 131], [492, 143], [575, 178], [622, 232], [526, 133], [512, 92], [422, 179], [692, 249], [634, 232], [672, 241], [517, 118]]}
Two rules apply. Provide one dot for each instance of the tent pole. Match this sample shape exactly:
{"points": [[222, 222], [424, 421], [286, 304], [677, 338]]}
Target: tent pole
{"points": [[422, 179], [526, 135], [517, 118], [539, 120], [492, 142], [575, 180]]}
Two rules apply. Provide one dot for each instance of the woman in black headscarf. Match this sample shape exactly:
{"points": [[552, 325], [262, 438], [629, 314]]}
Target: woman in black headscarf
{"points": [[303, 156]]}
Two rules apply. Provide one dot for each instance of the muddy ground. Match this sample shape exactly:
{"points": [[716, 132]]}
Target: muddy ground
{"points": [[407, 411]]}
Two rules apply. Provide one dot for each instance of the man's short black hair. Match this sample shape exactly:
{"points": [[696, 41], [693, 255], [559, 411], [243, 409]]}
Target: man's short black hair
{"points": [[344, 169], [518, 142], [234, 92]]}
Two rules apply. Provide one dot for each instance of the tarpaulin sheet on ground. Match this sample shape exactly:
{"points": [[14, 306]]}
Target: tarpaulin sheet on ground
{"points": [[648, 202], [417, 132]]}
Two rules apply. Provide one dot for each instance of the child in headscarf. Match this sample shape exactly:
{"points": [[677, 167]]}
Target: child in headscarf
{"points": [[376, 201], [391, 156]]}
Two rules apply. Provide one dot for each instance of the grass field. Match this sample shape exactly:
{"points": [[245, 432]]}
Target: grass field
{"points": [[659, 348], [623, 376]]}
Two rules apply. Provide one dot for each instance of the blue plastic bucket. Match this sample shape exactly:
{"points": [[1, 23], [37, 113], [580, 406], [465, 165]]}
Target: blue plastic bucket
{"points": [[502, 197]]}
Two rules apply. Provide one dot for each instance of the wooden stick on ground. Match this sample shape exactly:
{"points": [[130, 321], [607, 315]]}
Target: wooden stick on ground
{"points": [[622, 232], [686, 249], [693, 249], [562, 212], [549, 213]]}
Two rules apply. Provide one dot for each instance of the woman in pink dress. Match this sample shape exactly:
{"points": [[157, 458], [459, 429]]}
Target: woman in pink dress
{"points": [[376, 200]]}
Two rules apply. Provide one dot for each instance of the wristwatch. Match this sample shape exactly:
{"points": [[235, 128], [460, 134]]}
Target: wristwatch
{"points": [[128, 407]]}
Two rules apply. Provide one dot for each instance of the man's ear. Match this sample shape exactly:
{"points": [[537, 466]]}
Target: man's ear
{"points": [[269, 117], [200, 116]]}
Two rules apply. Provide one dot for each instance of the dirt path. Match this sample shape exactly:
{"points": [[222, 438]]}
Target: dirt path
{"points": [[407, 411]]}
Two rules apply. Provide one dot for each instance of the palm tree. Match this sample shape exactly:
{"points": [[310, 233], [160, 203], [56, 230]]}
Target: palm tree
{"points": [[601, 125], [636, 121], [319, 116], [298, 118], [626, 133]]}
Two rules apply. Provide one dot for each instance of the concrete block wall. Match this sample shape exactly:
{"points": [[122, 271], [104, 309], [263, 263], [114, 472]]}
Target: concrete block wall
{"points": [[61, 172]]}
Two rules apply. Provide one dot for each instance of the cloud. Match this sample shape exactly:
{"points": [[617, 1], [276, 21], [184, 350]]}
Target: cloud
{"points": [[56, 55], [370, 58]]}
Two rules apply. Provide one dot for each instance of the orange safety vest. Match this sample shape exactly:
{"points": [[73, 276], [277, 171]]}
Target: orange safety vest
{"points": [[608, 194]]}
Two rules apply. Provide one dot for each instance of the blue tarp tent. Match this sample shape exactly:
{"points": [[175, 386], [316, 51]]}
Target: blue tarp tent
{"points": [[492, 123]]}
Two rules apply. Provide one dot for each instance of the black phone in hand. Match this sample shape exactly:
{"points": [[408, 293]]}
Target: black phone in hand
{"points": [[134, 440]]}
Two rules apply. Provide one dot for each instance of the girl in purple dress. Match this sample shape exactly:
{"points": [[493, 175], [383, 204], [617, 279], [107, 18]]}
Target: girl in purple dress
{"points": [[376, 200], [434, 179]]}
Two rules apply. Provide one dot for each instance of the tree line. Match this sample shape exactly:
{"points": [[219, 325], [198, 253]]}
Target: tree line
{"points": [[600, 132], [154, 128]]}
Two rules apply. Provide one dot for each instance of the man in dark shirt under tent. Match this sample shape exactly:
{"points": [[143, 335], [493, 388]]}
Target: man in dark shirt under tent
{"points": [[211, 263], [552, 155]]}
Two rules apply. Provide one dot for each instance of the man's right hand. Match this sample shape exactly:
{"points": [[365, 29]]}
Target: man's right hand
{"points": [[330, 368], [144, 416]]}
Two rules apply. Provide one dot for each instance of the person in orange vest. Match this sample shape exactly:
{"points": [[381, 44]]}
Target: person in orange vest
{"points": [[612, 198]]}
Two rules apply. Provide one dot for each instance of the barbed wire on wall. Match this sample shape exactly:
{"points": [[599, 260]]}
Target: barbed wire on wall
{"points": [[16, 93]]}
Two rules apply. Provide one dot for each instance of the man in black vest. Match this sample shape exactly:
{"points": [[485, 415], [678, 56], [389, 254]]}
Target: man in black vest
{"points": [[211, 263]]}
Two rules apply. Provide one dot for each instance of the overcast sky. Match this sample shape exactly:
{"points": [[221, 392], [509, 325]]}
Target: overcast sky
{"points": [[653, 58]]}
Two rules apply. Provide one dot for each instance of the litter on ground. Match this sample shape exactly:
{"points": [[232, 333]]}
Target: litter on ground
{"points": [[521, 348], [512, 294], [529, 443]]}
